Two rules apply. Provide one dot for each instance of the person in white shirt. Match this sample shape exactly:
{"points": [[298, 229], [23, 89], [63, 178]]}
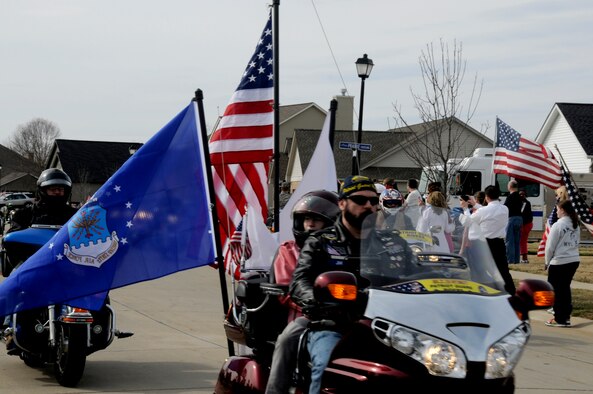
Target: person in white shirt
{"points": [[562, 260], [436, 215], [492, 220], [414, 197]]}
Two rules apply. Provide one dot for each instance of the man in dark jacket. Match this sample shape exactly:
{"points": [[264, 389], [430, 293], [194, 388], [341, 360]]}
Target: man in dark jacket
{"points": [[51, 207], [513, 234], [336, 248]]}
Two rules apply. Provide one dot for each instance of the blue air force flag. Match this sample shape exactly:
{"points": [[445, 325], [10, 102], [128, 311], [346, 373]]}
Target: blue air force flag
{"points": [[150, 219]]}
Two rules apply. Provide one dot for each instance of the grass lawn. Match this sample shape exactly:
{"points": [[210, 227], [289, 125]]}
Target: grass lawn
{"points": [[582, 300]]}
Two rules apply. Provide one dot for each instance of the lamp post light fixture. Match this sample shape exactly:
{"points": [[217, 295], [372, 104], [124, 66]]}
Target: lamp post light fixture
{"points": [[364, 66]]}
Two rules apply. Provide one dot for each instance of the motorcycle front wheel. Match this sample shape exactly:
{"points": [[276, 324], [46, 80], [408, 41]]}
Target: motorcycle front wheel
{"points": [[70, 360]]}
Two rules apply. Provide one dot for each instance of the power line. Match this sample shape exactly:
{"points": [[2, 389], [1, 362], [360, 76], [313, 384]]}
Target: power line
{"points": [[331, 51]]}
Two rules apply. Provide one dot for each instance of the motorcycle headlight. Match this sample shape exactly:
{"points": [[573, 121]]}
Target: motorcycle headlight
{"points": [[504, 355], [416, 249], [440, 358]]}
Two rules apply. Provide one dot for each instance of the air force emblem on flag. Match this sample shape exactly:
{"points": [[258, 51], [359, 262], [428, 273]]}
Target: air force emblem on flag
{"points": [[90, 241]]}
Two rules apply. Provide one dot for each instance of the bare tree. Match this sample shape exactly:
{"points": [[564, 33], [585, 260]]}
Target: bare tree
{"points": [[441, 135], [34, 140]]}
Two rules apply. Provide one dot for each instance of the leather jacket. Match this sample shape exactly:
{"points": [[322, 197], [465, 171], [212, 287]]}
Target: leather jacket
{"points": [[41, 213], [329, 249]]}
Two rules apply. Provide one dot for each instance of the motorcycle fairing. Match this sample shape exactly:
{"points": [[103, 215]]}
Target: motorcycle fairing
{"points": [[443, 285], [472, 322]]}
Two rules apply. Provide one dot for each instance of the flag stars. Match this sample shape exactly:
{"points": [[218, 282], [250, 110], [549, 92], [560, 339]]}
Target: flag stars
{"points": [[129, 224], [252, 79], [270, 76], [269, 46], [261, 70], [252, 64], [268, 32], [269, 61], [59, 256], [117, 188], [124, 241], [51, 245], [129, 205]]}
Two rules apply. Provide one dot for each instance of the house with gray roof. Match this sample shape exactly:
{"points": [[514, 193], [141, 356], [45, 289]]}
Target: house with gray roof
{"points": [[17, 173], [387, 157]]}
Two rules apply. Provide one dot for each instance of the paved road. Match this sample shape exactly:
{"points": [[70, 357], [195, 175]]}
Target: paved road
{"points": [[179, 346]]}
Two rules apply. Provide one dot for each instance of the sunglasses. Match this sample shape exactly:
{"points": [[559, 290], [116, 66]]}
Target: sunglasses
{"points": [[362, 200]]}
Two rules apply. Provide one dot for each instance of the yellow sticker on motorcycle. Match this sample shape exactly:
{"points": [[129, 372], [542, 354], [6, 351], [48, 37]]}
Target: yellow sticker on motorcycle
{"points": [[456, 285], [416, 236]]}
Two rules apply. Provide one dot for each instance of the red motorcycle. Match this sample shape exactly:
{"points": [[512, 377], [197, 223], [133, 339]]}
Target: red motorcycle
{"points": [[440, 321]]}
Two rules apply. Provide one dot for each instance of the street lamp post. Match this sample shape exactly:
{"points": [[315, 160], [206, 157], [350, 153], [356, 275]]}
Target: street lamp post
{"points": [[364, 65]]}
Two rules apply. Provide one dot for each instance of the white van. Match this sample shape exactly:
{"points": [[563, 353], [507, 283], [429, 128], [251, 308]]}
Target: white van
{"points": [[474, 173]]}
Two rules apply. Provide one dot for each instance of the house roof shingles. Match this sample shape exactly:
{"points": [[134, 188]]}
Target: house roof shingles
{"points": [[92, 161], [580, 120]]}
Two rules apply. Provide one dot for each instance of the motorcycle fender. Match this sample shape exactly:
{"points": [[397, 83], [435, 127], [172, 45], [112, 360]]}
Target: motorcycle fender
{"points": [[241, 374]]}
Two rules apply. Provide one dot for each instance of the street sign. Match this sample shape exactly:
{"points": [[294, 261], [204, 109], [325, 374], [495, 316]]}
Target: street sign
{"points": [[354, 145]]}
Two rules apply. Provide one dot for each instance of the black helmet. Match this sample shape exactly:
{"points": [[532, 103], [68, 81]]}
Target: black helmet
{"points": [[319, 203], [53, 177]]}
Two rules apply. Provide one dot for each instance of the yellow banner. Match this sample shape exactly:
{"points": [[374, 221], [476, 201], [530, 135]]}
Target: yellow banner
{"points": [[413, 235], [456, 285]]}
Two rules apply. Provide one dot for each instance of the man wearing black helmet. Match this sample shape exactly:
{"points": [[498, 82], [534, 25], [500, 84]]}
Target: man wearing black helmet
{"points": [[51, 207]]}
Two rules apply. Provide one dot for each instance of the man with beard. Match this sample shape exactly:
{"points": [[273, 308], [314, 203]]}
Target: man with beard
{"points": [[336, 248]]}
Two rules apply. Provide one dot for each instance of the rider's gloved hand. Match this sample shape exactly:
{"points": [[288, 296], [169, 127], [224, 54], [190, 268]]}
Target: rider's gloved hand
{"points": [[310, 307]]}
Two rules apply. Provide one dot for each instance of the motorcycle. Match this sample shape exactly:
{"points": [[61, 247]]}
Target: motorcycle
{"points": [[438, 320], [61, 335]]}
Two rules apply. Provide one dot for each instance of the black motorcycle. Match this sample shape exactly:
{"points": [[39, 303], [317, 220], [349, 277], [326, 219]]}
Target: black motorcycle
{"points": [[61, 335]]}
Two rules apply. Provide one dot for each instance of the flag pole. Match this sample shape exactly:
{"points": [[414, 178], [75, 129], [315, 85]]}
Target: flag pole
{"points": [[199, 98], [563, 164], [276, 66], [333, 107], [493, 176]]}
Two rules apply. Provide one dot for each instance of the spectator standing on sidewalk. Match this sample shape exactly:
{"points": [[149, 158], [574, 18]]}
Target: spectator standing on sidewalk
{"points": [[513, 231], [527, 215], [562, 260]]}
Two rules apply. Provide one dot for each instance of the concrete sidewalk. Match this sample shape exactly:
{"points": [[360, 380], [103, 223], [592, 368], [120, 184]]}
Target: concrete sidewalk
{"points": [[527, 275], [584, 325]]}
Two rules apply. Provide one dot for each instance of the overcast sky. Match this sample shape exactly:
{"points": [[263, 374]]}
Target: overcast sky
{"points": [[119, 70]]}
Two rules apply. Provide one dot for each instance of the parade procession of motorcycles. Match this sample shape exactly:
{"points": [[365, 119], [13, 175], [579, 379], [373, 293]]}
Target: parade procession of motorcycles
{"points": [[435, 320], [61, 335]]}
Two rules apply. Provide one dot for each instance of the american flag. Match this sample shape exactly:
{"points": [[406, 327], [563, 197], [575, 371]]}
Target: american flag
{"points": [[524, 159], [242, 146], [235, 250], [552, 218], [580, 207]]}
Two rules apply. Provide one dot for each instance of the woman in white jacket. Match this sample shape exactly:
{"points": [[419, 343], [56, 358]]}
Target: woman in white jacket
{"points": [[562, 261], [435, 215]]}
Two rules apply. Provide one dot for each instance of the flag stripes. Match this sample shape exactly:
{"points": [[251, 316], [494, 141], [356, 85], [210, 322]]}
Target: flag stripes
{"points": [[521, 158], [241, 147]]}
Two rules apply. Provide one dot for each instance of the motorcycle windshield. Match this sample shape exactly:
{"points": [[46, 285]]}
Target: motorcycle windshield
{"points": [[427, 250]]}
